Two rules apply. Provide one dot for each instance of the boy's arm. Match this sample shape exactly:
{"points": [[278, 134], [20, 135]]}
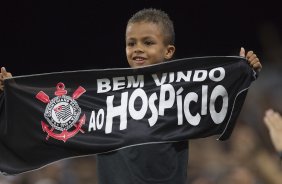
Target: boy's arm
{"points": [[3, 75], [252, 58]]}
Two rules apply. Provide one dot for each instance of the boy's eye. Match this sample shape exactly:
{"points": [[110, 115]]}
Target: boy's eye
{"points": [[148, 42], [130, 44]]}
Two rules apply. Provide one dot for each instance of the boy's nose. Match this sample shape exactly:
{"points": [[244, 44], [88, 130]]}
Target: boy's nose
{"points": [[138, 48]]}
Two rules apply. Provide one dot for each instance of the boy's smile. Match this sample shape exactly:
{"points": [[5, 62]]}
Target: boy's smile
{"points": [[145, 44]]}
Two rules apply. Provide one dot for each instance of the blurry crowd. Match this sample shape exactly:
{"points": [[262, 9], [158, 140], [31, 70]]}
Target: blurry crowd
{"points": [[247, 157]]}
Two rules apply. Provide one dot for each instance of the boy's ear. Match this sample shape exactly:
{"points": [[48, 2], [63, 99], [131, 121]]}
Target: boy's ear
{"points": [[169, 51]]}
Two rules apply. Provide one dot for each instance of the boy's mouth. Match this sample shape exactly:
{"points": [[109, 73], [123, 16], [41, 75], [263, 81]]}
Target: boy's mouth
{"points": [[139, 59]]}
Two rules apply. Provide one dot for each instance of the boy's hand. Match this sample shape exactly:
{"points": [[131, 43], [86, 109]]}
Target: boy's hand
{"points": [[3, 75], [252, 58]]}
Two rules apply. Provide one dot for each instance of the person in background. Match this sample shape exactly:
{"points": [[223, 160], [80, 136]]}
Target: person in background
{"points": [[273, 122]]}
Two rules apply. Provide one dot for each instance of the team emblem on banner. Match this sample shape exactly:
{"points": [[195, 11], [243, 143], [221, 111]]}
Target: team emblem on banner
{"points": [[62, 113]]}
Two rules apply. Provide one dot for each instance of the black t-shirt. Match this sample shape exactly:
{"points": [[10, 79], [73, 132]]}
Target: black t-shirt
{"points": [[164, 163]]}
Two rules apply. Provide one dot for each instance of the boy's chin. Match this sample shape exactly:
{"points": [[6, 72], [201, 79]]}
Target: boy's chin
{"points": [[142, 64], [138, 64]]}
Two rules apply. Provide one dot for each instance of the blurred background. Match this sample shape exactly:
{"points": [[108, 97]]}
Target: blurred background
{"points": [[50, 36]]}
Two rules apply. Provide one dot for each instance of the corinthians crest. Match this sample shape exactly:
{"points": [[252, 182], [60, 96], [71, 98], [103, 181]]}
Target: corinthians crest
{"points": [[62, 113]]}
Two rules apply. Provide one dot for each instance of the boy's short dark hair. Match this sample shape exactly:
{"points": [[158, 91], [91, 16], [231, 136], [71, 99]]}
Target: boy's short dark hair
{"points": [[158, 17]]}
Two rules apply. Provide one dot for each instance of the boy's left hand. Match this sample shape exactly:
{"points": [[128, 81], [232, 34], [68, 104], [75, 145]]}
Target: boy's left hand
{"points": [[252, 58]]}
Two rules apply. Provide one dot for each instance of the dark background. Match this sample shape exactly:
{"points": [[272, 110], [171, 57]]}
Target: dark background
{"points": [[49, 36]]}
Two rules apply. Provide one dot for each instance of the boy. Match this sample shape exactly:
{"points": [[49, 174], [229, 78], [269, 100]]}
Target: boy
{"points": [[149, 40]]}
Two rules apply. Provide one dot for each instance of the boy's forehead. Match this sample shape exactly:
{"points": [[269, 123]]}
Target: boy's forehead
{"points": [[143, 28]]}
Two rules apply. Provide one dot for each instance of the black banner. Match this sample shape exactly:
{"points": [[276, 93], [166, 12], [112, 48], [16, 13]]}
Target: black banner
{"points": [[48, 117]]}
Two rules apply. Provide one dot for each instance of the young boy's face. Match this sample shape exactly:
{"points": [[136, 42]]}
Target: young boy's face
{"points": [[145, 44]]}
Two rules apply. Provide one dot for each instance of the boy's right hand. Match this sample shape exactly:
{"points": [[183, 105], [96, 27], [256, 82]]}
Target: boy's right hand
{"points": [[3, 75], [252, 59]]}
